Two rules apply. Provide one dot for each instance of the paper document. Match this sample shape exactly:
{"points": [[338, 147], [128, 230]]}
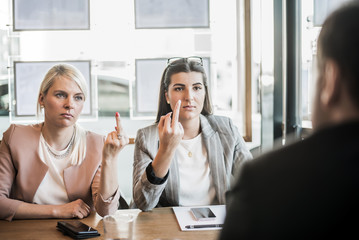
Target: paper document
{"points": [[187, 222]]}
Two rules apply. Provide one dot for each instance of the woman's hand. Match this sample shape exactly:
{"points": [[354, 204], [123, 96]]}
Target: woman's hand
{"points": [[170, 130], [115, 141], [170, 133], [74, 209]]}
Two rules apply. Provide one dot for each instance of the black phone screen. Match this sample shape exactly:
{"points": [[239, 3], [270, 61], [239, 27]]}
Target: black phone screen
{"points": [[76, 227], [204, 213]]}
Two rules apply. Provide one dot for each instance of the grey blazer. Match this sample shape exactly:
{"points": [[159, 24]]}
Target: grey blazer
{"points": [[226, 152]]}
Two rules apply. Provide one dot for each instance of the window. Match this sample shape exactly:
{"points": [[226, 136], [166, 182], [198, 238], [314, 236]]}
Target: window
{"points": [[50, 15], [113, 85], [313, 14], [113, 43], [172, 14], [25, 83], [8, 47]]}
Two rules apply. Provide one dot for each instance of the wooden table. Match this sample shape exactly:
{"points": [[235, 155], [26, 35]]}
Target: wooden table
{"points": [[160, 223]]}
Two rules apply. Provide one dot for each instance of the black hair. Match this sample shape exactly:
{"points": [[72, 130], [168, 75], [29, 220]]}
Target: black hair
{"points": [[339, 41], [181, 65]]}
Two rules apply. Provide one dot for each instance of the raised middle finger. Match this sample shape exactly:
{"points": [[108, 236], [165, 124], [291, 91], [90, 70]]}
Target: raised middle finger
{"points": [[176, 111]]}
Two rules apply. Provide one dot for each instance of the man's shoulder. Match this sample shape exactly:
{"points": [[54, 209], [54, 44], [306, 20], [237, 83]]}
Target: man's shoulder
{"points": [[292, 157]]}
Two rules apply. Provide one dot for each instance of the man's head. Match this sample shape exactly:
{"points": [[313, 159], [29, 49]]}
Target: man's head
{"points": [[337, 94]]}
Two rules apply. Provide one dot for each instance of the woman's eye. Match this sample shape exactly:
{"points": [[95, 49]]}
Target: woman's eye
{"points": [[177, 89], [197, 88], [60, 95], [78, 98]]}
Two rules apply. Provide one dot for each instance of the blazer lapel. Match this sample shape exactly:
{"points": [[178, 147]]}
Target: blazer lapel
{"points": [[78, 179], [29, 181], [173, 182], [34, 178], [214, 149]]}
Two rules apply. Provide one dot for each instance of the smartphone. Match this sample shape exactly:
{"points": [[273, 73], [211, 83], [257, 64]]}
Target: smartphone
{"points": [[77, 229], [203, 213]]}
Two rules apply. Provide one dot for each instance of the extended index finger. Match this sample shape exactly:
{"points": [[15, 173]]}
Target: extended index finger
{"points": [[176, 113]]}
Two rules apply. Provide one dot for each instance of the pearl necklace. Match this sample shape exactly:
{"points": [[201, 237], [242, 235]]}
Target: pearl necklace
{"points": [[63, 155]]}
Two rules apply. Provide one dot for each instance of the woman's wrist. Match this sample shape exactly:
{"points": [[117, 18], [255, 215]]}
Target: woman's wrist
{"points": [[55, 211], [162, 162], [166, 151], [108, 159]]}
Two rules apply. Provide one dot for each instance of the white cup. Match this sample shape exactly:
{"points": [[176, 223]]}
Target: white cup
{"points": [[118, 226]]}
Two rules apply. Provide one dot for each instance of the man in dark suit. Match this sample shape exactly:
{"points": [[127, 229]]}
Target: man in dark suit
{"points": [[310, 189]]}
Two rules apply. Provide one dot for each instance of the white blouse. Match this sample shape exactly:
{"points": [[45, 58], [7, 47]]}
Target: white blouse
{"points": [[196, 185], [52, 188]]}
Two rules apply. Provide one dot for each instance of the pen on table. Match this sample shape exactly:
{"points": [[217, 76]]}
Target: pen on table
{"points": [[204, 226]]}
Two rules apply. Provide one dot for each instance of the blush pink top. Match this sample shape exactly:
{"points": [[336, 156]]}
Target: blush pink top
{"points": [[22, 171]]}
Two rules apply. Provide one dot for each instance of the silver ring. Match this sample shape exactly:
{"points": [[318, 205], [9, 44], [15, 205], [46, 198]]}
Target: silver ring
{"points": [[119, 136]]}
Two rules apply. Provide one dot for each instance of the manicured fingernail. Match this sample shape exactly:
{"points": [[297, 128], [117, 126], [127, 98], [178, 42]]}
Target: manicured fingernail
{"points": [[116, 128], [117, 114]]}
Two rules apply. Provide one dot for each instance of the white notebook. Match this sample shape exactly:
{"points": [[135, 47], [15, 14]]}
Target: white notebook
{"points": [[187, 221]]}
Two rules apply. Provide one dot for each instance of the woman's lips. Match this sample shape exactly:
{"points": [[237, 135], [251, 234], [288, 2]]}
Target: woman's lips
{"points": [[67, 115], [189, 107]]}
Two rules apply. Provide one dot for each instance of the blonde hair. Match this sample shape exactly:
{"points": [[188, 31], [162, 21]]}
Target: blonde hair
{"points": [[78, 152]]}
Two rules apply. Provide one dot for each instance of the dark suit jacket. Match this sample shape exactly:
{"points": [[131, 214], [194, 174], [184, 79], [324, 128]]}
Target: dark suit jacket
{"points": [[308, 190]]}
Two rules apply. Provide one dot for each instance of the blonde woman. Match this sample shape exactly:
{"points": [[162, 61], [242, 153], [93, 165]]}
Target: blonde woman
{"points": [[56, 169]]}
